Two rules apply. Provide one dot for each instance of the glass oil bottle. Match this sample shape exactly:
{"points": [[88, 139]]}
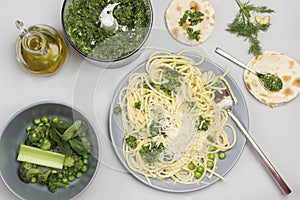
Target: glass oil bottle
{"points": [[40, 49]]}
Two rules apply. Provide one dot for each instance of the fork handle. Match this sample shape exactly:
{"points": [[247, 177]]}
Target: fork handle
{"points": [[283, 186], [233, 59]]}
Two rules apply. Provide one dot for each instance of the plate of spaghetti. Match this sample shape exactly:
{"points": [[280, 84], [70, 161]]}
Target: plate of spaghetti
{"points": [[166, 127]]}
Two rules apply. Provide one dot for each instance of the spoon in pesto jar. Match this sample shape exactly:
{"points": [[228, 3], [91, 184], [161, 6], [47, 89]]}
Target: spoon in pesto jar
{"points": [[269, 81]]}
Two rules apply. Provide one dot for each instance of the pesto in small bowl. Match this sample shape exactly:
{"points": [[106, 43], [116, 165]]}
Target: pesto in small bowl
{"points": [[82, 25]]}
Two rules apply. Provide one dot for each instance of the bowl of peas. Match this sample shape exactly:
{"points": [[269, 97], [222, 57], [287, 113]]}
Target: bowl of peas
{"points": [[49, 150]]}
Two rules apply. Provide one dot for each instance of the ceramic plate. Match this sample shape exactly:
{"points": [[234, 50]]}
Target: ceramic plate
{"points": [[117, 133]]}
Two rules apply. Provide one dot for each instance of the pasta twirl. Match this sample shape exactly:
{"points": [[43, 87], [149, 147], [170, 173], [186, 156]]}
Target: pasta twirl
{"points": [[173, 126]]}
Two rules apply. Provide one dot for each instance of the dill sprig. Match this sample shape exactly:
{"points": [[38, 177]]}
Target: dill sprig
{"points": [[243, 25]]}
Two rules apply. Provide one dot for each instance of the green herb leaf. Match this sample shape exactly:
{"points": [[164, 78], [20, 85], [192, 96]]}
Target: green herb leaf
{"points": [[244, 26]]}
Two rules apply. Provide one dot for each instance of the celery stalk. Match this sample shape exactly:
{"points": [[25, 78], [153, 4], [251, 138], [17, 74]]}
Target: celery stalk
{"points": [[40, 157]]}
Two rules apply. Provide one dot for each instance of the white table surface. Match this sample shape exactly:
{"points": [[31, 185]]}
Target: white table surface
{"points": [[90, 89]]}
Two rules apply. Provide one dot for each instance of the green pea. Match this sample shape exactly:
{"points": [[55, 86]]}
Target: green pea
{"points": [[197, 175], [71, 178], [60, 175], [33, 180], [53, 171], [28, 128], [191, 166], [37, 121], [86, 156], [212, 148], [212, 156], [84, 168], [55, 120], [210, 164], [78, 175], [200, 169], [222, 155], [65, 180], [45, 119], [85, 161]]}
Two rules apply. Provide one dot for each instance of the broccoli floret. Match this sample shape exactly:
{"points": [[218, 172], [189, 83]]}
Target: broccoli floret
{"points": [[27, 171], [69, 161], [55, 182], [43, 178], [38, 136], [73, 165], [45, 144]]}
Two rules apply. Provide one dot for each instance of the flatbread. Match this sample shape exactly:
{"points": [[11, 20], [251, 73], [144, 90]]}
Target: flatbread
{"points": [[281, 65], [177, 9]]}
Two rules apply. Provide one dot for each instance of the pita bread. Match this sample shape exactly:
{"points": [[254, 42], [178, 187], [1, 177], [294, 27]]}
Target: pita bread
{"points": [[177, 9], [278, 64]]}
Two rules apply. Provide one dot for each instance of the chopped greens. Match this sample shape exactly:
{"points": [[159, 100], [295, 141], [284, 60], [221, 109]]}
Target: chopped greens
{"points": [[151, 151], [131, 141], [202, 123], [82, 25], [244, 26], [117, 110], [195, 17], [173, 81], [210, 138], [137, 105], [146, 86], [192, 18], [193, 35], [156, 129]]}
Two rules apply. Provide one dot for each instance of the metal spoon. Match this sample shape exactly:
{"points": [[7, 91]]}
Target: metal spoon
{"points": [[227, 104], [261, 76]]}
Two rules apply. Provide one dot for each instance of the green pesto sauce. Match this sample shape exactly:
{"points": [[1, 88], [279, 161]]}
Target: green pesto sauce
{"points": [[272, 83], [173, 81], [151, 151], [82, 24]]}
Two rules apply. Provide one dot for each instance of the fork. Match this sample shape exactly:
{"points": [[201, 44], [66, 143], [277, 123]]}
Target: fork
{"points": [[226, 103]]}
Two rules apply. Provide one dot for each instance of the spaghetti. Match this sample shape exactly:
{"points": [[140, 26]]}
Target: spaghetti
{"points": [[173, 126]]}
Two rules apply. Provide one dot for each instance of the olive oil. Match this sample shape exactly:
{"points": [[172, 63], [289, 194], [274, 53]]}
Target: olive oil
{"points": [[41, 49]]}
